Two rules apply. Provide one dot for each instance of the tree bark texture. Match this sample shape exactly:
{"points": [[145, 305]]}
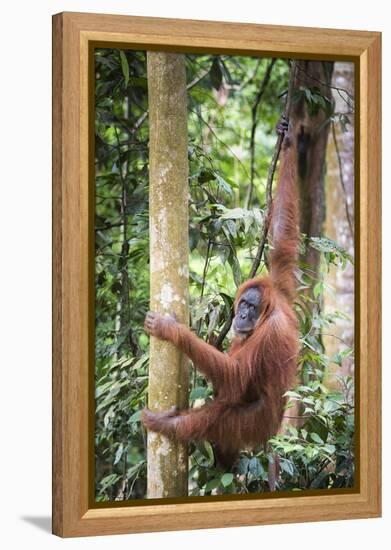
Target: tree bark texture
{"points": [[312, 135], [169, 259], [339, 224]]}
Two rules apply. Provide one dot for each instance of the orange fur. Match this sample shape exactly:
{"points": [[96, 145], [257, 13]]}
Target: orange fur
{"points": [[251, 379]]}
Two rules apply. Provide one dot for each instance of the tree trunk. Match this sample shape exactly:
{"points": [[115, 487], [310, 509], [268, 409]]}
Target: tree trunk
{"points": [[169, 253], [339, 224], [312, 134]]}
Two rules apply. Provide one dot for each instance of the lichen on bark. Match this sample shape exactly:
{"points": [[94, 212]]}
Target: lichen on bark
{"points": [[169, 251]]}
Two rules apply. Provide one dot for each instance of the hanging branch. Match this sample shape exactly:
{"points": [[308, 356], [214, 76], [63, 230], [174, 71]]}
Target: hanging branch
{"points": [[254, 116], [269, 201], [124, 304], [270, 176], [206, 267]]}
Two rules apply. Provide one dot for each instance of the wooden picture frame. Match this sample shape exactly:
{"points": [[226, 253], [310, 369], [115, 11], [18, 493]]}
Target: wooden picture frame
{"points": [[74, 37]]}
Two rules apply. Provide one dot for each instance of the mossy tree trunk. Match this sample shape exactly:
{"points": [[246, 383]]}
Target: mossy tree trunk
{"points": [[169, 257]]}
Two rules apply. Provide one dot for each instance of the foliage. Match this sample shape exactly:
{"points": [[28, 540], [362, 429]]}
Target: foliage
{"points": [[224, 234], [318, 455]]}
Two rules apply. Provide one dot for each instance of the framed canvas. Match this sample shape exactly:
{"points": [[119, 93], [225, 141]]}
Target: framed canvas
{"points": [[163, 142]]}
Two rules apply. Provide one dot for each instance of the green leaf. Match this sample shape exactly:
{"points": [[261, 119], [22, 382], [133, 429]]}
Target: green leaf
{"points": [[139, 82], [231, 227], [292, 431], [232, 182], [212, 484], [255, 467], [315, 437], [223, 184], [227, 479], [287, 466], [331, 250], [134, 470], [136, 417], [199, 391], [205, 176], [292, 394], [206, 449], [125, 67], [308, 94], [243, 465], [108, 481], [235, 266], [308, 401], [318, 289], [234, 214], [194, 237], [344, 121], [210, 452], [118, 454]]}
